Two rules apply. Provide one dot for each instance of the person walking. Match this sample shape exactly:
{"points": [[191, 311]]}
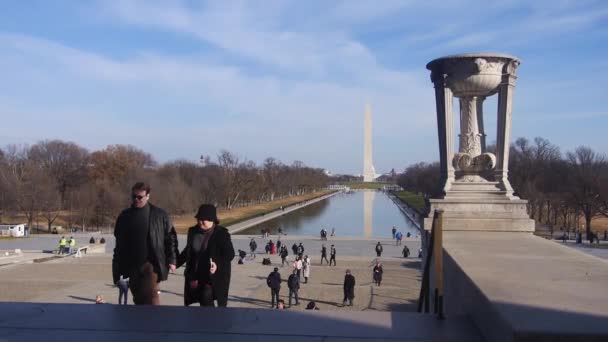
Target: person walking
{"points": [[144, 249], [283, 254], [300, 250], [399, 237], [394, 230], [379, 249], [252, 247], [208, 255], [274, 282], [297, 266], [406, 252], [62, 245], [123, 290], [71, 245], [324, 254], [332, 255], [294, 248], [293, 282], [377, 273], [349, 288], [306, 268]]}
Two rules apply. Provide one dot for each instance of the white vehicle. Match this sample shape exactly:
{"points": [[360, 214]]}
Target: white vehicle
{"points": [[13, 230]]}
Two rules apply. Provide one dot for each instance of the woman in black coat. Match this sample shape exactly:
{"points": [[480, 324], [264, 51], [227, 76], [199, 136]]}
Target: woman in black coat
{"points": [[208, 255]]}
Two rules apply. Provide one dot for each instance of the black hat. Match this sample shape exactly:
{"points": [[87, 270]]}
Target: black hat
{"points": [[207, 212]]}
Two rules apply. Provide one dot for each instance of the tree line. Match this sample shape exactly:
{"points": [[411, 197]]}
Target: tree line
{"points": [[58, 178], [560, 188]]}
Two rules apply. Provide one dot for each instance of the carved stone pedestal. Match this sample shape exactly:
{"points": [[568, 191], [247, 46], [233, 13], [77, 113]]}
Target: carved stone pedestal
{"points": [[477, 194]]}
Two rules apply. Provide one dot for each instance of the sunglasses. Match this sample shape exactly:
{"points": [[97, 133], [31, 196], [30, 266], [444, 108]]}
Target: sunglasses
{"points": [[139, 198]]}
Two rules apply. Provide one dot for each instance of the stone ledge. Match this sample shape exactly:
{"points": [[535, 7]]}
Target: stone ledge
{"points": [[53, 322], [519, 287]]}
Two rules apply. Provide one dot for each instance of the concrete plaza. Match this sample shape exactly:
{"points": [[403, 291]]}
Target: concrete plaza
{"points": [[78, 280]]}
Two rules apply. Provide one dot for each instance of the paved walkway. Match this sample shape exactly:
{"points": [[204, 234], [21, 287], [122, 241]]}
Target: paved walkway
{"points": [[78, 280]]}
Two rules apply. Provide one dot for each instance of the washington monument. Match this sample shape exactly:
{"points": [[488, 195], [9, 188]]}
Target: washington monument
{"points": [[369, 173]]}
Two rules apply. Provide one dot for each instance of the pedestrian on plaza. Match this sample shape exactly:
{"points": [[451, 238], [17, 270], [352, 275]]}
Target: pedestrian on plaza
{"points": [[71, 245], [332, 255], [123, 290], [605, 235], [144, 250], [294, 248], [297, 266], [349, 288], [394, 232], [252, 247], [279, 244], [377, 273], [208, 256], [62, 245], [274, 282], [306, 268], [399, 237], [406, 252], [280, 231], [379, 249], [324, 254], [293, 282], [242, 256], [284, 254], [333, 232], [420, 252], [300, 250]]}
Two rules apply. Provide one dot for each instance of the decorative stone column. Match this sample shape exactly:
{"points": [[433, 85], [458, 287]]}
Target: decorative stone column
{"points": [[476, 193]]}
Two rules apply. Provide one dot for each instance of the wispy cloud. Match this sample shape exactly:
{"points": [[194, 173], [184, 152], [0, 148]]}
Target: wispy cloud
{"points": [[286, 78]]}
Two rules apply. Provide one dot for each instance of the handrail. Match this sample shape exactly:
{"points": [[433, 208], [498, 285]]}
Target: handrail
{"points": [[435, 247]]}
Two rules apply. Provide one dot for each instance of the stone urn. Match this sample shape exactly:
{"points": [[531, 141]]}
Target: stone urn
{"points": [[476, 193]]}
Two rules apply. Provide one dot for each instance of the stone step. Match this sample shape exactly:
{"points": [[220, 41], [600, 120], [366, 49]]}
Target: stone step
{"points": [[59, 322]]}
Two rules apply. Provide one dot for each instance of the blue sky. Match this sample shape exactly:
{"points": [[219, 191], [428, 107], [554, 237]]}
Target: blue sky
{"points": [[289, 79]]}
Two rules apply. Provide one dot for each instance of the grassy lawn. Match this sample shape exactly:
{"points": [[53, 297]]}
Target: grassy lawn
{"points": [[366, 185], [228, 217], [413, 200]]}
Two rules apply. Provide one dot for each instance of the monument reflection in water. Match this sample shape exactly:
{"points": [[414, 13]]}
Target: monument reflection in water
{"points": [[355, 214]]}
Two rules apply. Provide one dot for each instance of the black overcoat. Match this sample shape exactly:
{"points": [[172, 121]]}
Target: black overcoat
{"points": [[349, 286], [220, 249], [161, 238]]}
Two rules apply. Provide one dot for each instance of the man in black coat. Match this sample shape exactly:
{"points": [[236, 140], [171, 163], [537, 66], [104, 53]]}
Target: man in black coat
{"points": [[332, 255], [274, 282], [294, 248], [293, 282], [349, 288], [208, 256], [283, 254], [145, 247], [379, 249], [324, 254]]}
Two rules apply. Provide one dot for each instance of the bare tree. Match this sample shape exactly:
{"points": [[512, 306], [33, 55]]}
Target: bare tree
{"points": [[66, 162], [587, 169]]}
